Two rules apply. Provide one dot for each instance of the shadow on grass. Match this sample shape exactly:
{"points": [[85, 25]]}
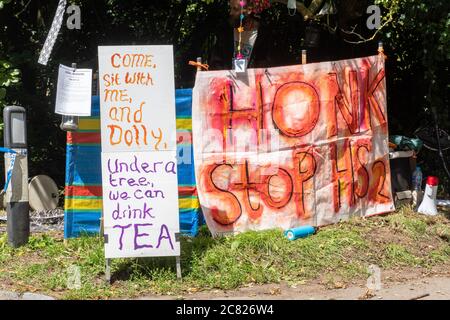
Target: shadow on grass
{"points": [[126, 269]]}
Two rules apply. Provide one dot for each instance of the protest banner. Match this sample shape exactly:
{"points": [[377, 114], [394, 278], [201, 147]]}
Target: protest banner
{"points": [[292, 146]]}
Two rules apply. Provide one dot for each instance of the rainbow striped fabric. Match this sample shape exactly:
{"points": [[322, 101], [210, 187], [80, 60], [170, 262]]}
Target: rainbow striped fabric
{"points": [[83, 192]]}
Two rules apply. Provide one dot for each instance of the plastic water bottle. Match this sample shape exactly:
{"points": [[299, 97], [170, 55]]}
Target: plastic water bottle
{"points": [[417, 187], [417, 179]]}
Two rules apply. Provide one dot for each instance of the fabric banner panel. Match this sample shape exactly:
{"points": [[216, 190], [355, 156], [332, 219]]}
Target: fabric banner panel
{"points": [[292, 146]]}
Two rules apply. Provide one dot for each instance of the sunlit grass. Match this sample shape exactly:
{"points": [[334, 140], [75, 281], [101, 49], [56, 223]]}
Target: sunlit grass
{"points": [[342, 251]]}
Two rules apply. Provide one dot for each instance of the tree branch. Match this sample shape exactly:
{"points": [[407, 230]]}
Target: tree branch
{"points": [[23, 10], [362, 39]]}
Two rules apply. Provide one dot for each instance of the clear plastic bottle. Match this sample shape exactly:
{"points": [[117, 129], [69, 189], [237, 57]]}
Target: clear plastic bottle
{"points": [[417, 193], [417, 179]]}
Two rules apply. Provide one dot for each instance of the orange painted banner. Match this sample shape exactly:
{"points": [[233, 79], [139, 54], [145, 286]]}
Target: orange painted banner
{"points": [[291, 146]]}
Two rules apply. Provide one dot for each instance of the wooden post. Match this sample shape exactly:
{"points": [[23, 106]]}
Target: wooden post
{"points": [[380, 47], [199, 61], [381, 51], [304, 56]]}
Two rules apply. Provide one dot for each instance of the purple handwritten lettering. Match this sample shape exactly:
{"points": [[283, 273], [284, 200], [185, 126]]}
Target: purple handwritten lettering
{"points": [[112, 181], [145, 167], [110, 169], [164, 229], [121, 234], [171, 167], [147, 211], [134, 165], [140, 235], [113, 196], [149, 194], [142, 182], [116, 213], [155, 166]]}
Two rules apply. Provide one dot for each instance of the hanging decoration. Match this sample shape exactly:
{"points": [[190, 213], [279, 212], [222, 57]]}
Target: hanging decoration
{"points": [[239, 55], [240, 61], [53, 33], [247, 32], [292, 7]]}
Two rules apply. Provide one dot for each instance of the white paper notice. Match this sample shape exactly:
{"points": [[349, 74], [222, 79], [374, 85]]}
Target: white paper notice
{"points": [[74, 93]]}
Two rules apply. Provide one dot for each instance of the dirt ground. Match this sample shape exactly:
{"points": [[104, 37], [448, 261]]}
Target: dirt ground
{"points": [[395, 285]]}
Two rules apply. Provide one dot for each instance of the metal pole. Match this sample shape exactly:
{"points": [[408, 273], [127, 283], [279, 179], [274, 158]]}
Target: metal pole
{"points": [[108, 271], [178, 262], [16, 197]]}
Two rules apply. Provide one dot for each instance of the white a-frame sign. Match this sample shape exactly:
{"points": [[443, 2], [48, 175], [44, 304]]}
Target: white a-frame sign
{"points": [[139, 165]]}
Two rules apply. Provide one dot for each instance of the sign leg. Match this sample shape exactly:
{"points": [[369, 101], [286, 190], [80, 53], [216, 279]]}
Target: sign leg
{"points": [[108, 271], [178, 268]]}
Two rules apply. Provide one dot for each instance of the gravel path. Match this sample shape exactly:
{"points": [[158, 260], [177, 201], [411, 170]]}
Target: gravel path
{"points": [[422, 288], [426, 288], [7, 295]]}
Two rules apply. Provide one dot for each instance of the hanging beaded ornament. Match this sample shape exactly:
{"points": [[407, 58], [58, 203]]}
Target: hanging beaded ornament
{"points": [[240, 31]]}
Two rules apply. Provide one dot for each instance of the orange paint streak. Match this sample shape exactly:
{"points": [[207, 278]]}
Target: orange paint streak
{"points": [[287, 192], [372, 106], [227, 209], [305, 99], [348, 102], [246, 185], [230, 114], [342, 175], [361, 153], [379, 186], [304, 170]]}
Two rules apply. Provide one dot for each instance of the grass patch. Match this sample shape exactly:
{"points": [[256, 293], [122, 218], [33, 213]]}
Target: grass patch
{"points": [[338, 253], [414, 227], [440, 255], [398, 255]]}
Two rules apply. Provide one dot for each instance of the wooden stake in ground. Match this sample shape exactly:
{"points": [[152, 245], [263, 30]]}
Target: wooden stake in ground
{"points": [[304, 56]]}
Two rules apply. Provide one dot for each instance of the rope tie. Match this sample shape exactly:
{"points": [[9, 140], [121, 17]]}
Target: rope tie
{"points": [[199, 65]]}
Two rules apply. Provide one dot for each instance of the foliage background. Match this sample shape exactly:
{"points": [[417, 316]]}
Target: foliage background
{"points": [[416, 37]]}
